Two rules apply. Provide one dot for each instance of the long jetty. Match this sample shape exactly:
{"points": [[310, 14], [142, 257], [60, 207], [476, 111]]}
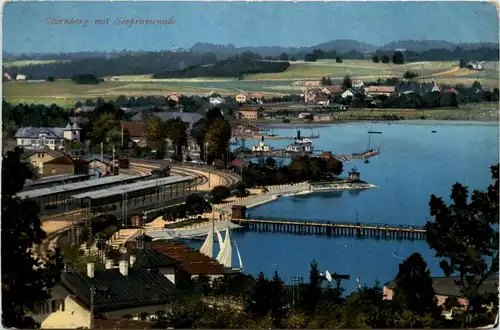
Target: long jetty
{"points": [[272, 137], [364, 155], [334, 228]]}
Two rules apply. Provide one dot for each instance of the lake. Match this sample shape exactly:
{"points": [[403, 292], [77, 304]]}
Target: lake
{"points": [[413, 164]]}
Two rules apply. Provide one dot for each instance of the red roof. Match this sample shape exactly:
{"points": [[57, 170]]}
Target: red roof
{"points": [[335, 89], [451, 90], [239, 162]]}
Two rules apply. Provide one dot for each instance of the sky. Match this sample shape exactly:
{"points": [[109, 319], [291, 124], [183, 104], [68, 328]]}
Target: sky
{"points": [[28, 26]]}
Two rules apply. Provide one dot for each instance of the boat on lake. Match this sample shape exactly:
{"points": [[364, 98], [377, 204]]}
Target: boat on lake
{"points": [[225, 255], [371, 131], [261, 147], [433, 131], [300, 145]]}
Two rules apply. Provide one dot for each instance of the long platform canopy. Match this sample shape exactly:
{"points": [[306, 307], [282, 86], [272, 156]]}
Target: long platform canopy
{"points": [[133, 187], [77, 186]]}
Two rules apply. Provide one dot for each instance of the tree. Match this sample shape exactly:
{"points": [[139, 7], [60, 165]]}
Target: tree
{"points": [[462, 63], [217, 138], [198, 132], [398, 57], [105, 123], [476, 85], [312, 294], [385, 59], [195, 204], [376, 59], [26, 280], [156, 133], [462, 234], [176, 131], [258, 303], [338, 59], [326, 81], [51, 79], [310, 58], [347, 83], [220, 193], [277, 300], [410, 75], [284, 57], [413, 286]]}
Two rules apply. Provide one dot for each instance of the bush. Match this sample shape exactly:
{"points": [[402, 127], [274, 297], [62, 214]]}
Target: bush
{"points": [[219, 194], [176, 158], [188, 158]]}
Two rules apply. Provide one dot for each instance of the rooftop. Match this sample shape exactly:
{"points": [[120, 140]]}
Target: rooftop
{"points": [[445, 286], [77, 186], [116, 291], [151, 259], [132, 187], [192, 261]]}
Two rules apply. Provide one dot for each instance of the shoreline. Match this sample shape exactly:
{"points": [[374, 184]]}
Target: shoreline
{"points": [[461, 122]]}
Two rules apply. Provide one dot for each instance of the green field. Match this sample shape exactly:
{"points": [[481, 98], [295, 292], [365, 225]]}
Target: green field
{"points": [[66, 93], [20, 64]]}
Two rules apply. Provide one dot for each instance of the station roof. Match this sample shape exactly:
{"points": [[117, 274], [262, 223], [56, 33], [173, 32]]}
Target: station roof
{"points": [[55, 178], [77, 186], [133, 187]]}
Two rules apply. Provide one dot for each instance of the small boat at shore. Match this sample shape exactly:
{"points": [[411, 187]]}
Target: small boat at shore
{"points": [[367, 161], [300, 145], [433, 131]]}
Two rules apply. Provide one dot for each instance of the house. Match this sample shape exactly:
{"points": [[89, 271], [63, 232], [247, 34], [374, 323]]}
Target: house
{"points": [[20, 77], [136, 131], [322, 100], [436, 88], [313, 95], [323, 117], [256, 97], [380, 90], [49, 162], [357, 83], [187, 117], [7, 77], [84, 109], [312, 83], [173, 97], [304, 115], [241, 98], [214, 101], [333, 90], [349, 93], [128, 291], [51, 137], [446, 287], [248, 112]]}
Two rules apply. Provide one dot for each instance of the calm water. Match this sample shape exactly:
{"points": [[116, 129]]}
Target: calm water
{"points": [[413, 164]]}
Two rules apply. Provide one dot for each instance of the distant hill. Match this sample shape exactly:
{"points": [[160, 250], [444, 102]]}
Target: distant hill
{"points": [[424, 45], [340, 46]]}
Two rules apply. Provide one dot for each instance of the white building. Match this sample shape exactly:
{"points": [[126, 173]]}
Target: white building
{"points": [[50, 137]]}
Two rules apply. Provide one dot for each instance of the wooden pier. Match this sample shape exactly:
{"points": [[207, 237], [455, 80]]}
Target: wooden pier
{"points": [[272, 137], [364, 155], [333, 228]]}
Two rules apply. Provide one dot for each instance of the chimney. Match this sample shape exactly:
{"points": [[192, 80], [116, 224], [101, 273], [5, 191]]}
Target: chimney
{"points": [[132, 260], [110, 263], [123, 267], [90, 270]]}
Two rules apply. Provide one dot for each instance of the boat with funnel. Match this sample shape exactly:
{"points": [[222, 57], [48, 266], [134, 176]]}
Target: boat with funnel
{"points": [[300, 145]]}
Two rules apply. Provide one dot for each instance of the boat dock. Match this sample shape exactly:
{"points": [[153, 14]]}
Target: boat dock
{"points": [[333, 228], [364, 155], [272, 137]]}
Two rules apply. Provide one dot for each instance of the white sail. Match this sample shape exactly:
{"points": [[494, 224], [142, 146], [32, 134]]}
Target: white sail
{"points": [[225, 256], [221, 246], [208, 246], [328, 276], [239, 255]]}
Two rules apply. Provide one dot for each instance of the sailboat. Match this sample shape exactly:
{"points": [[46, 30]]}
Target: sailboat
{"points": [[371, 131], [367, 161], [225, 249]]}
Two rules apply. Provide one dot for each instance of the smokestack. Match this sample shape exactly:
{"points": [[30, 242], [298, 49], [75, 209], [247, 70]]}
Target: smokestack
{"points": [[298, 135], [110, 263], [132, 260], [90, 270], [123, 267]]}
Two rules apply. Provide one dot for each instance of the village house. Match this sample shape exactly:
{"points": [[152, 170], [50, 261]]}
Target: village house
{"points": [[333, 90], [51, 137], [322, 100], [446, 287], [49, 162], [173, 97], [85, 109], [215, 101], [99, 168], [351, 92], [142, 287], [187, 117], [136, 131], [304, 115], [20, 77], [251, 113], [314, 96], [357, 83], [323, 117], [380, 90], [241, 98]]}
